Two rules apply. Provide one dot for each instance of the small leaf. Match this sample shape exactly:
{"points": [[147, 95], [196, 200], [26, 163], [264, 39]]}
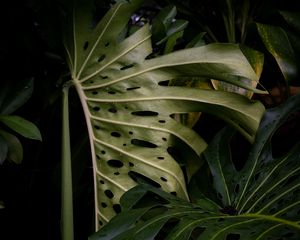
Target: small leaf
{"points": [[3, 150], [22, 126], [14, 97], [278, 44], [166, 15], [15, 149], [175, 27], [197, 41]]}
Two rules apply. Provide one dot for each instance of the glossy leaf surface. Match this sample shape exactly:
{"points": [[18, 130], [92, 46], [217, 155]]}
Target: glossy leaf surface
{"points": [[261, 201], [278, 44], [128, 104]]}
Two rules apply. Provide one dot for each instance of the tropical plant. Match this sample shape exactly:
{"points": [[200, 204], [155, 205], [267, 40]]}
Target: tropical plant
{"points": [[259, 201], [128, 104]]}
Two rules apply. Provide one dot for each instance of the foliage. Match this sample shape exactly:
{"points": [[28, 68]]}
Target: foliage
{"points": [[11, 98], [260, 201], [128, 106]]}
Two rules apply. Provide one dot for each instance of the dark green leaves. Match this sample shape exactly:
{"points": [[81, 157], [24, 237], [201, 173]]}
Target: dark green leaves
{"points": [[11, 98], [22, 126], [266, 204], [278, 44]]}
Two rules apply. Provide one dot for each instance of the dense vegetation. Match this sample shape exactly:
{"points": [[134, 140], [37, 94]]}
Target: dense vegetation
{"points": [[35, 69]]}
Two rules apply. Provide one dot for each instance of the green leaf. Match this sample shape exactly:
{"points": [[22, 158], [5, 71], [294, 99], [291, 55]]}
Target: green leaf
{"points": [[256, 59], [197, 41], [14, 96], [3, 150], [22, 126], [265, 205], [129, 107], [15, 149], [293, 19], [278, 44], [177, 26]]}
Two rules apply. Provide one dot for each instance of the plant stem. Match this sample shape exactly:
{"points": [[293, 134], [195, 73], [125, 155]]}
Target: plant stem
{"points": [[66, 171]]}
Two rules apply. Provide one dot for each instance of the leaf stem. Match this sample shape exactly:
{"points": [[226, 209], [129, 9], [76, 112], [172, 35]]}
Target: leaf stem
{"points": [[66, 171]]}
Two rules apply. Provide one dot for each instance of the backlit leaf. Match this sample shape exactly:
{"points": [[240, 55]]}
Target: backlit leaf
{"points": [[265, 205], [129, 106]]}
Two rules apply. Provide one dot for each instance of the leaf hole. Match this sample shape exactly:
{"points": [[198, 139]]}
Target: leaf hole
{"points": [[132, 88], [130, 132], [160, 158], [96, 109], [174, 193], [100, 223], [131, 164], [104, 77], [102, 182], [103, 204], [230, 210], [115, 163], [112, 110], [109, 194], [164, 139], [117, 208], [144, 113], [164, 83], [162, 121], [115, 134], [96, 127], [126, 67], [140, 178], [101, 58], [233, 236], [111, 92], [116, 173], [94, 92], [163, 179], [106, 44], [103, 152], [97, 156], [86, 45], [124, 144], [143, 143]]}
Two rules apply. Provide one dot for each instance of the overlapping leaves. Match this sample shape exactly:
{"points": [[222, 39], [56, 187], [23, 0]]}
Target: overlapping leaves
{"points": [[261, 201], [128, 104]]}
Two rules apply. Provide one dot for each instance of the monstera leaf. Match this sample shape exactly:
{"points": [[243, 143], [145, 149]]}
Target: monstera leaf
{"points": [[261, 201], [128, 104]]}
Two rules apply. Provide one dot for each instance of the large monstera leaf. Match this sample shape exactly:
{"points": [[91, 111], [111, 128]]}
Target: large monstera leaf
{"points": [[128, 104], [261, 201]]}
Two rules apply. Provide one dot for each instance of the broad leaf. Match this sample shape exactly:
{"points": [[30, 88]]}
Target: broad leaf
{"points": [[265, 205], [128, 104], [22, 126], [278, 44]]}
